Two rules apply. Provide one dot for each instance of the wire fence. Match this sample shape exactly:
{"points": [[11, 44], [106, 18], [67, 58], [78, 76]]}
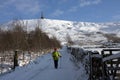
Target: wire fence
{"points": [[8, 63]]}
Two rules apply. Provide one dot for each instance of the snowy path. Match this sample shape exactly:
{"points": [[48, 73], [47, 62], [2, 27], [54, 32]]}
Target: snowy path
{"points": [[43, 69]]}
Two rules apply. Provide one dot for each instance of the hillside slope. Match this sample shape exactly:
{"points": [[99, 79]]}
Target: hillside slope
{"points": [[78, 31]]}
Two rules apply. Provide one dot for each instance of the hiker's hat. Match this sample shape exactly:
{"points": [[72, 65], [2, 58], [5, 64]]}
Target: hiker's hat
{"points": [[55, 49]]}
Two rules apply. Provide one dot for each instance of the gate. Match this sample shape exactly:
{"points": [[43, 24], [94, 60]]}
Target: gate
{"points": [[111, 64]]}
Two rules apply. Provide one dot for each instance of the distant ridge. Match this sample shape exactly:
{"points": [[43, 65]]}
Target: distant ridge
{"points": [[78, 31]]}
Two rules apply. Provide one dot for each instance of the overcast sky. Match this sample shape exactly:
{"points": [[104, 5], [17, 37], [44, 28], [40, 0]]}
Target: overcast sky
{"points": [[72, 10]]}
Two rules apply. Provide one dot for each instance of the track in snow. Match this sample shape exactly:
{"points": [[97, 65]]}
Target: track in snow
{"points": [[43, 69]]}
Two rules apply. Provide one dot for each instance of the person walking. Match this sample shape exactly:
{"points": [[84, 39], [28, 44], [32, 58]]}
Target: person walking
{"points": [[56, 55]]}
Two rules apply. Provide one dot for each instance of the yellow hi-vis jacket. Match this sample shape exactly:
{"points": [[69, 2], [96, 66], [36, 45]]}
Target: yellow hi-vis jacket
{"points": [[56, 55]]}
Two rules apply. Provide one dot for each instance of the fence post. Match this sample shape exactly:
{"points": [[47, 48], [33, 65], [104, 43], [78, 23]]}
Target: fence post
{"points": [[103, 66], [90, 78], [15, 59], [111, 64], [1, 64]]}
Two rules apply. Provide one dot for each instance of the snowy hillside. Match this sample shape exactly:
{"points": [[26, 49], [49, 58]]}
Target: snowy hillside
{"points": [[78, 31]]}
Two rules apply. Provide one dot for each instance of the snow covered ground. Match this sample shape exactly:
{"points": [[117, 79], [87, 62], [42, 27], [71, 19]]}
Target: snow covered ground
{"points": [[43, 69]]}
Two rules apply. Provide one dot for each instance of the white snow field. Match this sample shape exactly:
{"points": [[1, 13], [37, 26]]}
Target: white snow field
{"points": [[43, 69], [80, 32]]}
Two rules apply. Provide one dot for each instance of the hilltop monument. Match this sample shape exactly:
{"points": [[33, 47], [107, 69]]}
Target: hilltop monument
{"points": [[42, 17]]}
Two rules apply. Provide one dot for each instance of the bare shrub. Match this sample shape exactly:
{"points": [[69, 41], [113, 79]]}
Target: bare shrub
{"points": [[112, 37], [19, 38], [69, 40]]}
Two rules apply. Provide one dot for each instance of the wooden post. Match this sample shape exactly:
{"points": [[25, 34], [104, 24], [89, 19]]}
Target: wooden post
{"points": [[103, 66], [23, 56], [15, 59], [90, 66], [30, 55], [1, 64], [111, 63]]}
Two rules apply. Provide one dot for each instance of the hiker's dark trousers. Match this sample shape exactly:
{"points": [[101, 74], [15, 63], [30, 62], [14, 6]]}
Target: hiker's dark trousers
{"points": [[56, 64]]}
